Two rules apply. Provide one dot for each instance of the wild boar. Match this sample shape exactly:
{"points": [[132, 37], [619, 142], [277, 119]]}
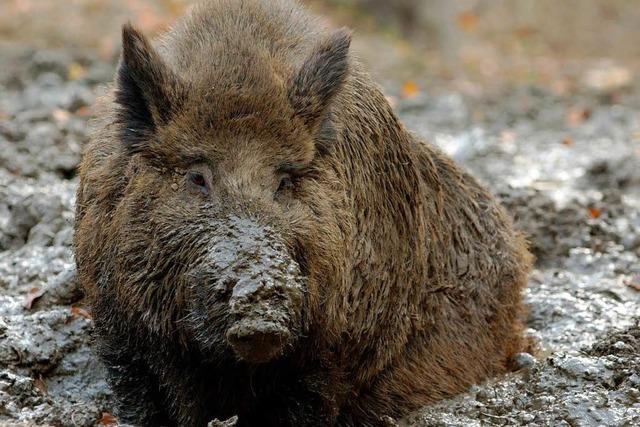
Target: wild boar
{"points": [[259, 236]]}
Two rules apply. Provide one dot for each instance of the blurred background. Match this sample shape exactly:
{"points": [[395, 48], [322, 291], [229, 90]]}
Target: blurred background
{"points": [[539, 99], [558, 44]]}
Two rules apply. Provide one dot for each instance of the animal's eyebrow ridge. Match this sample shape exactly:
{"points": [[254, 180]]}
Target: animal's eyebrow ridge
{"points": [[295, 168]]}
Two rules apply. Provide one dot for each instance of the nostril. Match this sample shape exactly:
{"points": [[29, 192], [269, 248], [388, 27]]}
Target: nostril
{"points": [[257, 342], [267, 332], [242, 338]]}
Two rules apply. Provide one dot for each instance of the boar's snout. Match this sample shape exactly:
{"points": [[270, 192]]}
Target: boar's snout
{"points": [[264, 309], [249, 270], [258, 341]]}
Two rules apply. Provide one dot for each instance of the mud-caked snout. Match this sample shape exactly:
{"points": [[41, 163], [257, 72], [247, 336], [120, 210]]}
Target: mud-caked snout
{"points": [[255, 289], [265, 316]]}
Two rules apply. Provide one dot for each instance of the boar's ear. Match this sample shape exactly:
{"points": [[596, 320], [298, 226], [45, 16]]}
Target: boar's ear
{"points": [[146, 90], [320, 77]]}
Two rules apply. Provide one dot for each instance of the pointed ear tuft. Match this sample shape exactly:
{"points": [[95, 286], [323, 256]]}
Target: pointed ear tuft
{"points": [[320, 77], [145, 89]]}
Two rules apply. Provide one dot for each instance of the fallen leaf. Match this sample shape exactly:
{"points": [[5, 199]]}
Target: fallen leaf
{"points": [[60, 115], [80, 312], [594, 213], [83, 111], [467, 20], [39, 384], [633, 283], [76, 71], [524, 32], [32, 296], [410, 89], [576, 116], [567, 141], [107, 420]]}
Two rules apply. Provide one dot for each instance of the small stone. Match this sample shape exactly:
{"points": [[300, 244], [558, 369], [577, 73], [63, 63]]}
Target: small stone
{"points": [[483, 395], [523, 361], [527, 418], [473, 389], [620, 345], [174, 186], [228, 423]]}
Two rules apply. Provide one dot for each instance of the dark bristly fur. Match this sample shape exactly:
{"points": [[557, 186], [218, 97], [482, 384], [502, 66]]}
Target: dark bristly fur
{"points": [[320, 77], [259, 236], [147, 90]]}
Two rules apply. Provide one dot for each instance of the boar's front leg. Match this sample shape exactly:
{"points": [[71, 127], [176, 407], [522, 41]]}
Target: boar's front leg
{"points": [[137, 395], [306, 402]]}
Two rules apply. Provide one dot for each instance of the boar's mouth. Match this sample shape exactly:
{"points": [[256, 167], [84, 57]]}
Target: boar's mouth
{"points": [[257, 341], [249, 291], [266, 314]]}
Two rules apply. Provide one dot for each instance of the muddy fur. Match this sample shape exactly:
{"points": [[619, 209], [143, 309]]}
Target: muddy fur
{"points": [[259, 236]]}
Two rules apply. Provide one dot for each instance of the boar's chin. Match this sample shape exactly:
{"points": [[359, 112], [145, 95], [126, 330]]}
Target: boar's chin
{"points": [[257, 340]]}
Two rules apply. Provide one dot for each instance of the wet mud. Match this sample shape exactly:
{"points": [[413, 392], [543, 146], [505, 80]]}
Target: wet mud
{"points": [[574, 190]]}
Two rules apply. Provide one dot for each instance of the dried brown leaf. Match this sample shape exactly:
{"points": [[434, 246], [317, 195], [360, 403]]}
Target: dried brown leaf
{"points": [[467, 21], [32, 296], [594, 212], [39, 384], [633, 283], [107, 420], [576, 116], [524, 32], [80, 312], [410, 89], [76, 71]]}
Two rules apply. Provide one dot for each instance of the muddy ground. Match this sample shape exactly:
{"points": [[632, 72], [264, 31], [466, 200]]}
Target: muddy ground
{"points": [[567, 166]]}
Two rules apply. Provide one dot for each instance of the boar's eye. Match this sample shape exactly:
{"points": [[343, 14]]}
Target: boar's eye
{"points": [[198, 182], [286, 184]]}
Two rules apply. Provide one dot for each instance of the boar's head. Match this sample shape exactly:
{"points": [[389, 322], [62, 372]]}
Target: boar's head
{"points": [[225, 218]]}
